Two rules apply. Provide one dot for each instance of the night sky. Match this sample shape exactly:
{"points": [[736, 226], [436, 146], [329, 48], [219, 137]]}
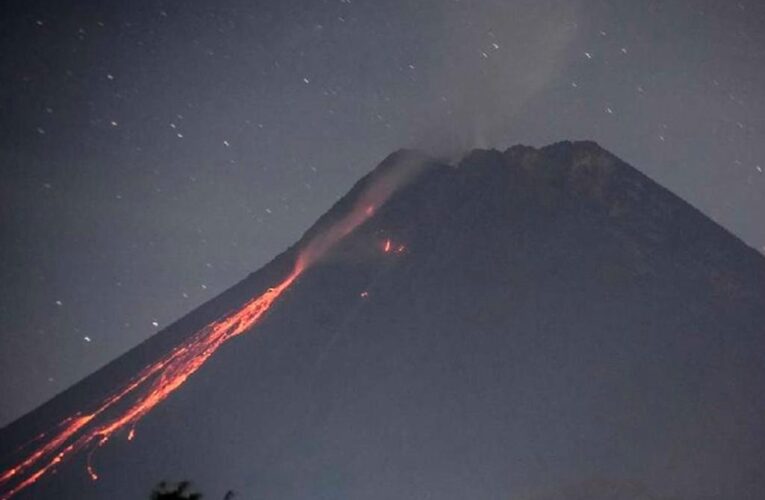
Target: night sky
{"points": [[154, 153]]}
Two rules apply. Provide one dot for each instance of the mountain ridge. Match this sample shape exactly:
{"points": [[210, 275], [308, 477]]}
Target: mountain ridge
{"points": [[512, 228]]}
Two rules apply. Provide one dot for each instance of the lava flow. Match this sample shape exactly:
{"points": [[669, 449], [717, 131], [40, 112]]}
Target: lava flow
{"points": [[155, 383], [122, 410]]}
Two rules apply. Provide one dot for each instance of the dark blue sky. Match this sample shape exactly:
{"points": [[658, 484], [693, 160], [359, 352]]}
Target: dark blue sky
{"points": [[154, 153]]}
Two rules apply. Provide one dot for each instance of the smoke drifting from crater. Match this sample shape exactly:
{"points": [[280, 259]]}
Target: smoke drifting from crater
{"points": [[401, 169], [492, 59]]}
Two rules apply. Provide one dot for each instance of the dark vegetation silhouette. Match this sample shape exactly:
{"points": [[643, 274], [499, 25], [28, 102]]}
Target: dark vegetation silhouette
{"points": [[180, 491]]}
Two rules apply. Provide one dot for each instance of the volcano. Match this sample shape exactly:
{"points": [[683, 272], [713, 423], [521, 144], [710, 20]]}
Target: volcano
{"points": [[524, 324]]}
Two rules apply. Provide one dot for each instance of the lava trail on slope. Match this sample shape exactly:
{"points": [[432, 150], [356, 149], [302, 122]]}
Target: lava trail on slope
{"points": [[149, 388], [126, 406]]}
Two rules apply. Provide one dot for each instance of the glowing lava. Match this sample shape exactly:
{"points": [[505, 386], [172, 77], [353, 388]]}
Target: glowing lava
{"points": [[388, 247], [122, 410], [149, 388]]}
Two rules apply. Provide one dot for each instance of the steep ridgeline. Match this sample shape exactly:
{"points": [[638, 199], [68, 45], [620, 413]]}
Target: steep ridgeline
{"points": [[529, 324]]}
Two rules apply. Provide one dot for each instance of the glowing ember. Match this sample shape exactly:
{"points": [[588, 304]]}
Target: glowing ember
{"points": [[389, 247], [92, 473]]}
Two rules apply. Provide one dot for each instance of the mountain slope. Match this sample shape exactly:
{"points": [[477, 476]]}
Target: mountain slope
{"points": [[546, 323]]}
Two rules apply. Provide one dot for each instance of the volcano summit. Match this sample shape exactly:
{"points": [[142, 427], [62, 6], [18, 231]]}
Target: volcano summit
{"points": [[528, 324]]}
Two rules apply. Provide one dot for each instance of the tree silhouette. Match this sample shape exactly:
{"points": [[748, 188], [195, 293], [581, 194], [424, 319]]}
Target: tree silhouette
{"points": [[180, 491]]}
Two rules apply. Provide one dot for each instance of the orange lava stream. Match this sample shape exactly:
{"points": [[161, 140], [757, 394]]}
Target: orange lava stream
{"points": [[153, 384], [156, 382]]}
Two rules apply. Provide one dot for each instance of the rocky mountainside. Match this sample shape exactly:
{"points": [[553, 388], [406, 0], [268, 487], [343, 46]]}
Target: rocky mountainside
{"points": [[528, 324]]}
